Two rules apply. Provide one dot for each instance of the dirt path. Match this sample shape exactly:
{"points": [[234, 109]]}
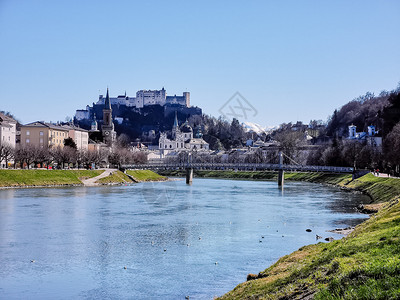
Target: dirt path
{"points": [[92, 181]]}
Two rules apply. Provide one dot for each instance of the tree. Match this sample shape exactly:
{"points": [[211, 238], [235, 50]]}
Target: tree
{"points": [[6, 154], [24, 155], [392, 148], [289, 142], [65, 155], [70, 143]]}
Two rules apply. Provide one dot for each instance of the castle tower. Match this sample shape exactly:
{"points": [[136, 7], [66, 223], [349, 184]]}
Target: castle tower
{"points": [[107, 129], [186, 95]]}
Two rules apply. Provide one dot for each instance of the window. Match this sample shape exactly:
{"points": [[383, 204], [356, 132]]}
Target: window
{"points": [[170, 146], [28, 133], [27, 141], [41, 133], [41, 140]]}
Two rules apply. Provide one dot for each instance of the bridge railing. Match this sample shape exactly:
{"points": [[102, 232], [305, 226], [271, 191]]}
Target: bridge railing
{"points": [[240, 166]]}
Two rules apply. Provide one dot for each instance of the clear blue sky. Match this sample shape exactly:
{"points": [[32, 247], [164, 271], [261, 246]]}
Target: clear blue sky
{"points": [[292, 60]]}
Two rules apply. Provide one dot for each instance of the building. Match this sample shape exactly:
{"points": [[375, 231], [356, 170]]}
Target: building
{"points": [[79, 136], [43, 135], [83, 114], [180, 100], [7, 131], [143, 98], [7, 139], [370, 137], [149, 97], [182, 138], [107, 129]]}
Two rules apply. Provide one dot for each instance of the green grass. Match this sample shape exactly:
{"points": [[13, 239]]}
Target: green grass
{"points": [[145, 175], [18, 178], [380, 189], [364, 265], [115, 177]]}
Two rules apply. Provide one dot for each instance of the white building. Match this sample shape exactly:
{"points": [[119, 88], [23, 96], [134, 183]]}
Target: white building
{"points": [[182, 139], [7, 131], [149, 97], [370, 136], [120, 100], [7, 136]]}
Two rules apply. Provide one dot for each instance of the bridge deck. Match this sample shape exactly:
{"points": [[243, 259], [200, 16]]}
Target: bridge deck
{"points": [[239, 166]]}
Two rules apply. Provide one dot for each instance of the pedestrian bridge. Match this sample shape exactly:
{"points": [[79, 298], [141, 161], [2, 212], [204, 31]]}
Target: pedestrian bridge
{"points": [[190, 166]]}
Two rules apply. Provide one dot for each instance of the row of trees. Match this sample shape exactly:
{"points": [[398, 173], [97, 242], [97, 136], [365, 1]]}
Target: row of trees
{"points": [[27, 156]]}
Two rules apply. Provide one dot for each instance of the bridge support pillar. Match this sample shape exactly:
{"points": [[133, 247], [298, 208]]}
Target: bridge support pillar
{"points": [[281, 172], [189, 176], [281, 177]]}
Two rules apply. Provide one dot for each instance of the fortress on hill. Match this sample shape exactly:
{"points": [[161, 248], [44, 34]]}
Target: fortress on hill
{"points": [[143, 98]]}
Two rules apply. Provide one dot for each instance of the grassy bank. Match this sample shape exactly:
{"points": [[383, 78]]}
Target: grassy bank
{"points": [[116, 177], [20, 178], [119, 177], [364, 265], [145, 175]]}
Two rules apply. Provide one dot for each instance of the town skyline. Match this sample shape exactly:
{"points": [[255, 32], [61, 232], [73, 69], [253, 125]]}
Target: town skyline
{"points": [[304, 58]]}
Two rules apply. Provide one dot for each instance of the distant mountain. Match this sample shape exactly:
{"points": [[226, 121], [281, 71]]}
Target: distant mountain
{"points": [[257, 128]]}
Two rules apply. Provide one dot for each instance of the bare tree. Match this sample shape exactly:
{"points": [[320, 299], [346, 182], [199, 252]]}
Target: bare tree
{"points": [[289, 142], [25, 155], [6, 154]]}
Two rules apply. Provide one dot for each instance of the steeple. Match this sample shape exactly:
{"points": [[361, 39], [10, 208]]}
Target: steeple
{"points": [[107, 103], [176, 120], [175, 127]]}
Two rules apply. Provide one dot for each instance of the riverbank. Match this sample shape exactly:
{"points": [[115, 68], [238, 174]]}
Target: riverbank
{"points": [[131, 176], [365, 264], [51, 178], [42, 177]]}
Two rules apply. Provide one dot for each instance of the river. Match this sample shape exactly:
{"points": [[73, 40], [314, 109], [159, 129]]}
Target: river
{"points": [[161, 240]]}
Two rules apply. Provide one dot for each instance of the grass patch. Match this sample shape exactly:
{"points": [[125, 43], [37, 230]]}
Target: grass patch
{"points": [[145, 175], [115, 177], [18, 178]]}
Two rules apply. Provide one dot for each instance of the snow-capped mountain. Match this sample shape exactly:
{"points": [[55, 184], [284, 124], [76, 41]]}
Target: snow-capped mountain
{"points": [[257, 128]]}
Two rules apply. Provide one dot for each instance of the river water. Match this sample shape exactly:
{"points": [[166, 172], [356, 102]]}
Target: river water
{"points": [[162, 240]]}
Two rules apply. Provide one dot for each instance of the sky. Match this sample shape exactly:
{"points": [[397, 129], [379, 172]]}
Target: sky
{"points": [[289, 60]]}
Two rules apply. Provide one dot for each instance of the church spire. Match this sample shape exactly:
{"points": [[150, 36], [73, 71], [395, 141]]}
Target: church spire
{"points": [[176, 120], [107, 103]]}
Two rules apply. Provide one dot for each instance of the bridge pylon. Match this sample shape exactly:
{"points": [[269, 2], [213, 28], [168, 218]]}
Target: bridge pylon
{"points": [[281, 176], [189, 175]]}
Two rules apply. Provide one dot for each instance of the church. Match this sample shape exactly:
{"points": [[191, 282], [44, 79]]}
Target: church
{"points": [[182, 138], [107, 133]]}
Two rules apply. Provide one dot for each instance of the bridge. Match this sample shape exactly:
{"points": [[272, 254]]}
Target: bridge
{"points": [[280, 168]]}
